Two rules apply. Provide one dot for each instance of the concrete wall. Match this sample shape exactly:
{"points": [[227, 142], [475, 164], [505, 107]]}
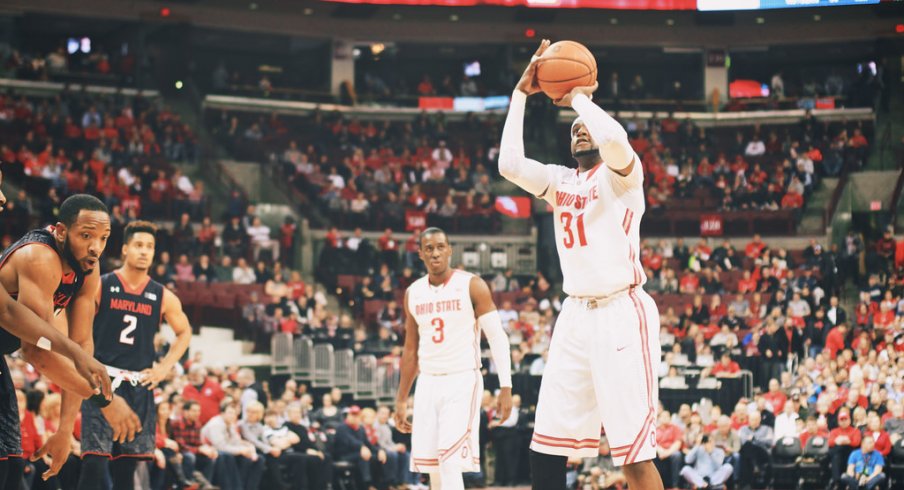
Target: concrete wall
{"points": [[248, 176], [872, 186]]}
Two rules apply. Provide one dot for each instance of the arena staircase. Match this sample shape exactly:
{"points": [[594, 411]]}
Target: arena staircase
{"points": [[219, 348], [811, 222]]}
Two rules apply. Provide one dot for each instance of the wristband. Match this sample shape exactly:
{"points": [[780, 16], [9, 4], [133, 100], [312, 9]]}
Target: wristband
{"points": [[99, 400]]}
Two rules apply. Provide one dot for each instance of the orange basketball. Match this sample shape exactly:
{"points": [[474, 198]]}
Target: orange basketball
{"points": [[563, 66]]}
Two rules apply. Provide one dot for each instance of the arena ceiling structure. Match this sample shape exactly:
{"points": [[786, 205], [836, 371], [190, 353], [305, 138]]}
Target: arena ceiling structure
{"points": [[462, 23]]}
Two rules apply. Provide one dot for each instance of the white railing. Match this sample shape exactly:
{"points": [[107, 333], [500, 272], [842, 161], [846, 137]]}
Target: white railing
{"points": [[387, 383], [363, 376], [366, 380], [304, 359], [281, 354], [324, 366], [344, 374]]}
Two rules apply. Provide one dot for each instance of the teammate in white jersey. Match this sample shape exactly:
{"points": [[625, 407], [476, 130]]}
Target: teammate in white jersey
{"points": [[604, 353], [444, 314]]}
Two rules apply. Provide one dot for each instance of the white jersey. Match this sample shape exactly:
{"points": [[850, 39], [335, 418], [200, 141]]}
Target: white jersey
{"points": [[449, 334], [597, 223]]}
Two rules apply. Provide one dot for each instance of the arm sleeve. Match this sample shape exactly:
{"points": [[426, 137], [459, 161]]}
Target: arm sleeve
{"points": [[612, 140], [691, 457], [215, 434], [249, 435], [530, 175], [491, 325]]}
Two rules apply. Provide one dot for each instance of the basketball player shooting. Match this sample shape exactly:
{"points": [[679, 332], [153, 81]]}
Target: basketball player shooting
{"points": [[444, 314], [604, 354], [130, 306]]}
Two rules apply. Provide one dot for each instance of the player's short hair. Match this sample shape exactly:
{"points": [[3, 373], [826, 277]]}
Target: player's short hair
{"points": [[431, 231], [138, 227], [74, 205]]}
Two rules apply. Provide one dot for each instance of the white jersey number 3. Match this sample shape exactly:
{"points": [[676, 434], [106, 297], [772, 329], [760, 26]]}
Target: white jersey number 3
{"points": [[131, 324], [438, 334]]}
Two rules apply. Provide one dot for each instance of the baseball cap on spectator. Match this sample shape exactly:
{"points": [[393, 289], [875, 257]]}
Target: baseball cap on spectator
{"points": [[353, 410]]}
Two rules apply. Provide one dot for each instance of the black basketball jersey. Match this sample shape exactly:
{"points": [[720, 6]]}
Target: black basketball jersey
{"points": [[70, 283], [126, 322]]}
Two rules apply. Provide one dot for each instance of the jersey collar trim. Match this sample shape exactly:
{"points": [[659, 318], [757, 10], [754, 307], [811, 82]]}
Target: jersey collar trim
{"points": [[591, 171], [137, 291]]}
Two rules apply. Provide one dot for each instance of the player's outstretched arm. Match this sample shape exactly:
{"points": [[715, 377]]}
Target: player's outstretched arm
{"points": [[528, 174], [408, 370], [27, 326], [176, 318], [491, 324]]}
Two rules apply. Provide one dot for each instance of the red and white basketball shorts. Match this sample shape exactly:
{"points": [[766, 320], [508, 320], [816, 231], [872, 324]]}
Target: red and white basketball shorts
{"points": [[446, 424], [601, 374]]}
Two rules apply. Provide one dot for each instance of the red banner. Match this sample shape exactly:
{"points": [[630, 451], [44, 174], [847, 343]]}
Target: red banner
{"points": [[415, 220], [711, 225], [442, 103], [513, 207], [825, 103]]}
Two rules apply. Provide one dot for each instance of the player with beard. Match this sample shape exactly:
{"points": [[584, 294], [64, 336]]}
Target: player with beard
{"points": [[49, 271], [604, 355], [130, 306], [20, 322]]}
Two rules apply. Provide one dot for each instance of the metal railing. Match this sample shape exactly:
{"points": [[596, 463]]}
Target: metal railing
{"points": [[324, 366], [304, 359], [387, 383], [365, 384], [282, 358], [344, 374], [362, 376]]}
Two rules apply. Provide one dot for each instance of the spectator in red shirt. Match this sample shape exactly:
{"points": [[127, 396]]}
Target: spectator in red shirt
{"points": [[812, 430], [775, 396], [874, 428], [842, 441], [755, 247], [835, 340], [389, 248], [689, 283], [792, 200], [669, 439], [332, 238], [205, 391], [425, 88], [747, 284], [858, 140], [726, 368]]}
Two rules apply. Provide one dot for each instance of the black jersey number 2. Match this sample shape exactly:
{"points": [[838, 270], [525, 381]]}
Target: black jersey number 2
{"points": [[126, 336]]}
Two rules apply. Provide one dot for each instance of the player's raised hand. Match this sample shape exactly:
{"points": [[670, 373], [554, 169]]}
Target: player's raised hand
{"points": [[587, 90], [401, 418], [94, 372], [504, 404], [151, 377], [57, 447], [122, 420], [528, 83]]}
